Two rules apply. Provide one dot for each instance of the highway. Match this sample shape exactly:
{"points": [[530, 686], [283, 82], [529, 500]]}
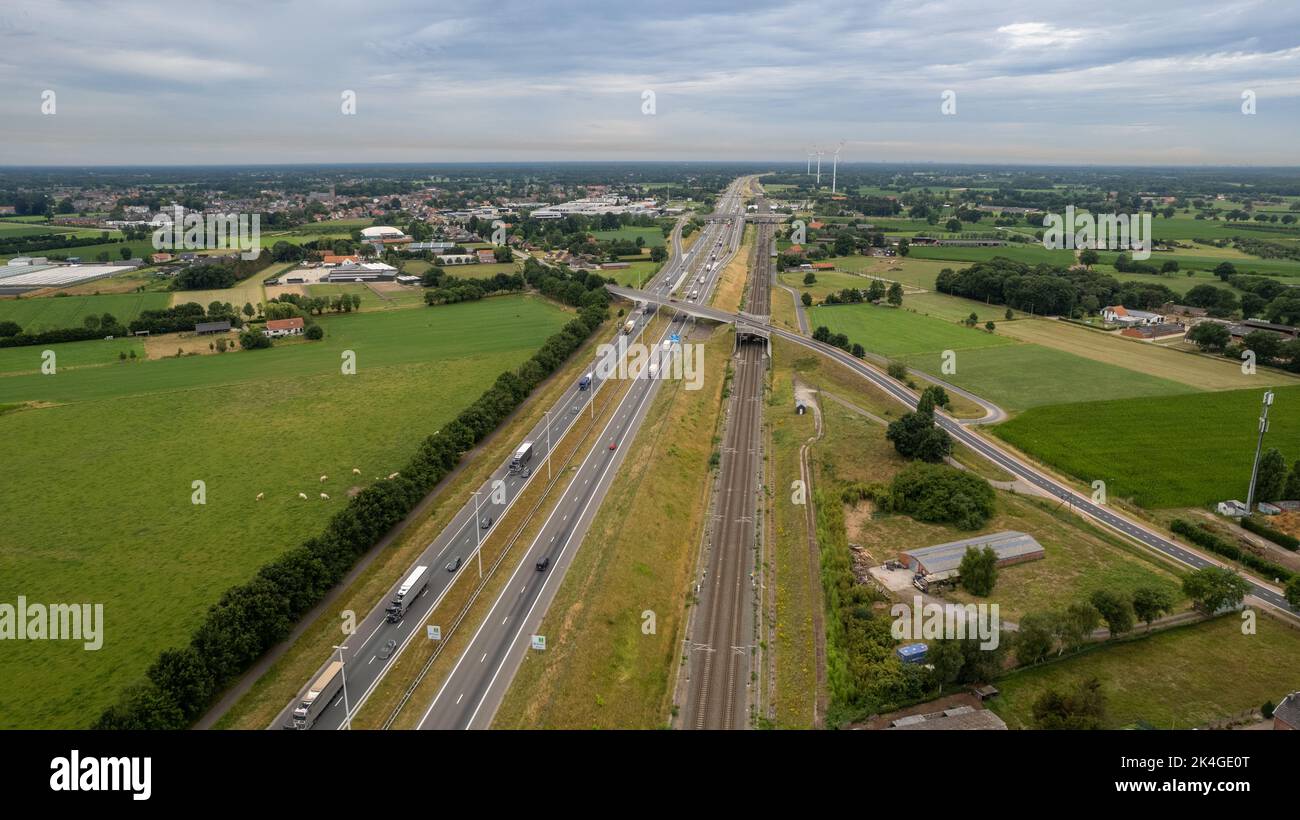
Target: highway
{"points": [[456, 545], [1104, 515], [722, 643], [473, 690]]}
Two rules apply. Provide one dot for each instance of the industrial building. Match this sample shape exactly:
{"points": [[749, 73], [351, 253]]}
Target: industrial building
{"points": [[1011, 547]]}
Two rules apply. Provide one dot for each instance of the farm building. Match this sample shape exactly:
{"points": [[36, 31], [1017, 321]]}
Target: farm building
{"points": [[1154, 331], [204, 328], [1286, 715], [1011, 547], [962, 717], [1120, 315], [361, 272], [284, 327]]}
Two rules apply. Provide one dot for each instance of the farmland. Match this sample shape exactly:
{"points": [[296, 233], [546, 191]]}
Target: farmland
{"points": [[894, 332], [652, 237], [50, 312], [1178, 679], [1140, 447], [125, 532]]}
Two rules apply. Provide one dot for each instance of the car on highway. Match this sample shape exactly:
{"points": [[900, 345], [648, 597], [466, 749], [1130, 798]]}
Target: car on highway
{"points": [[387, 651], [454, 564], [613, 445], [485, 522], [543, 563]]}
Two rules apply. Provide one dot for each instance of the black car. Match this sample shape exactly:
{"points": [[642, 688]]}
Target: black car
{"points": [[485, 522], [543, 563], [453, 564], [388, 650]]}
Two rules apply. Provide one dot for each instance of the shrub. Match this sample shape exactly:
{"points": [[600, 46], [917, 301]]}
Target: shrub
{"points": [[938, 493], [1201, 535], [314, 332], [1276, 536]]}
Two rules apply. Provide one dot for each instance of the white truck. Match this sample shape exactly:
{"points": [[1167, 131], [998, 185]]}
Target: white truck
{"points": [[319, 695], [522, 456], [629, 326], [413, 587]]}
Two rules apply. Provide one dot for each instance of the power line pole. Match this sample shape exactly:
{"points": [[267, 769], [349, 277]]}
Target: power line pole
{"points": [[1259, 445]]}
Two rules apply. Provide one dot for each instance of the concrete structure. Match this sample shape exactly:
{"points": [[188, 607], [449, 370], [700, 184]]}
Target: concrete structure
{"points": [[1233, 508], [1011, 547], [962, 717]]}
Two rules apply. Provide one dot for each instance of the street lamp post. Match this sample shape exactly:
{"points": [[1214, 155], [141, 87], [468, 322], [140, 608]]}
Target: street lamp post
{"points": [[1259, 445], [548, 445], [347, 710]]}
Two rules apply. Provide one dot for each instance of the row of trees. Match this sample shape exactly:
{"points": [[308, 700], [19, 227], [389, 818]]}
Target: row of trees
{"points": [[1043, 289], [252, 617]]}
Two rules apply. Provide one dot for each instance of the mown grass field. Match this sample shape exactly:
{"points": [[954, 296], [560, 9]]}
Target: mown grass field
{"points": [[1178, 679], [897, 332], [1031, 254], [1178, 451], [104, 504], [1201, 372], [51, 312], [1019, 376], [652, 237]]}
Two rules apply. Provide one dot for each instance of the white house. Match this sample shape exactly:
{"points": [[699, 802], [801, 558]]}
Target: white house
{"points": [[1120, 315], [284, 327]]}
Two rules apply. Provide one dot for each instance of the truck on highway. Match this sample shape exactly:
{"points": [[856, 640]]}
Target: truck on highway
{"points": [[584, 382], [519, 461], [629, 326], [319, 695], [413, 587]]}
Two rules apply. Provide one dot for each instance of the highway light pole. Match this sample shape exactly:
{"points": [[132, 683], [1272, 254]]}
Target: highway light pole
{"points": [[347, 711], [1259, 445]]}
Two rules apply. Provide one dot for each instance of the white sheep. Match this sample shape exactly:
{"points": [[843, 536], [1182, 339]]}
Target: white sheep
{"points": [[260, 496], [303, 496], [355, 471], [391, 476], [325, 496], [322, 478]]}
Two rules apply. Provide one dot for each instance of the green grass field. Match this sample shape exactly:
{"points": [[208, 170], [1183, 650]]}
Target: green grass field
{"points": [[1030, 254], [51, 312], [1178, 679], [654, 238], [1019, 376], [1179, 451], [105, 489], [895, 332]]}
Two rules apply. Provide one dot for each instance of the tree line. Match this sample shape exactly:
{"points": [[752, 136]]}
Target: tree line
{"points": [[254, 616]]}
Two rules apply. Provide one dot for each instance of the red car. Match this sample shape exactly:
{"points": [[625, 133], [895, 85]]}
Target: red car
{"points": [[613, 445]]}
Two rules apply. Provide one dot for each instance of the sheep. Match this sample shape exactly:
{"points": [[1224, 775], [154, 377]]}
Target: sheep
{"points": [[325, 496], [355, 471], [303, 496], [322, 478], [391, 476], [260, 496]]}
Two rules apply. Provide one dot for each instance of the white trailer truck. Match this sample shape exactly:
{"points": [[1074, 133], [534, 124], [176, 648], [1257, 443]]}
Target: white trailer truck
{"points": [[319, 695], [413, 587]]}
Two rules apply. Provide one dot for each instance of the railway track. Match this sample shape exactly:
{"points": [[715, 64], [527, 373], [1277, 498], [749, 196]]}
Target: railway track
{"points": [[722, 652]]}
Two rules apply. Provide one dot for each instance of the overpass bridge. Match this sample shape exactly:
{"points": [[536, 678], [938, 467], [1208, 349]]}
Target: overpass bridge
{"points": [[1116, 521]]}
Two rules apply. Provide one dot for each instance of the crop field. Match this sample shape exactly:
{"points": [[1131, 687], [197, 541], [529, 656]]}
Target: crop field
{"points": [[918, 273], [50, 312], [1196, 371], [1177, 679], [1180, 451], [653, 237], [896, 332], [125, 533], [1250, 264], [247, 291]]}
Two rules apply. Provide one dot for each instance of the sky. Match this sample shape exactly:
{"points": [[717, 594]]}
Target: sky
{"points": [[234, 82]]}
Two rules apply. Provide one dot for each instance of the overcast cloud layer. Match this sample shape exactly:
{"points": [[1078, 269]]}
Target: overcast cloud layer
{"points": [[261, 82]]}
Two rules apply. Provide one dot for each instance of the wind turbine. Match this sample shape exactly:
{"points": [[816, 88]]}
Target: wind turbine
{"points": [[820, 153], [835, 165]]}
